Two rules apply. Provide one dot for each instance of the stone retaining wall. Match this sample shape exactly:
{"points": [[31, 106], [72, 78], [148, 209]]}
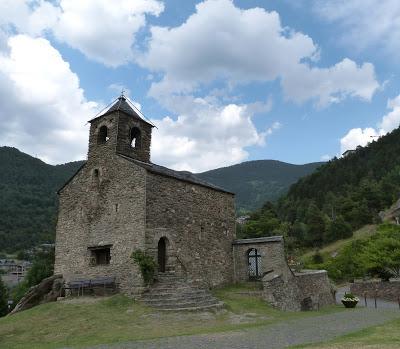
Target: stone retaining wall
{"points": [[308, 290], [389, 290]]}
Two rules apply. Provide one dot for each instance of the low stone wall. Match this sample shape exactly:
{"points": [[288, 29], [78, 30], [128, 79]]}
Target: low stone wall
{"points": [[308, 290], [316, 285], [282, 294], [389, 290]]}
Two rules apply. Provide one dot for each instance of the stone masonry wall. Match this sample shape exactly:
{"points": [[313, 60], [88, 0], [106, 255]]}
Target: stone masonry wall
{"points": [[316, 285], [108, 209], [126, 123], [308, 290], [272, 258], [199, 224], [389, 290]]}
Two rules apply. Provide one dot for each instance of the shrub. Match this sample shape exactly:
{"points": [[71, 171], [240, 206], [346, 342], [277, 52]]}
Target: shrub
{"points": [[317, 258], [146, 264], [3, 298]]}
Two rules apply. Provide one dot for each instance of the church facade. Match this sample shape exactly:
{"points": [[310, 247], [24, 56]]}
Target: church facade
{"points": [[119, 202]]}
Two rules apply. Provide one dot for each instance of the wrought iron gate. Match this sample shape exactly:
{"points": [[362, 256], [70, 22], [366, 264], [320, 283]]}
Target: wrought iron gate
{"points": [[254, 262]]}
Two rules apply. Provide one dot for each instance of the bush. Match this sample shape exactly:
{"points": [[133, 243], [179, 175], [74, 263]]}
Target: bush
{"points": [[42, 267], [317, 258], [146, 264], [3, 298]]}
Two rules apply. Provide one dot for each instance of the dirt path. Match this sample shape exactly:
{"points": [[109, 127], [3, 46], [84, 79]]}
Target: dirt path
{"points": [[281, 335]]}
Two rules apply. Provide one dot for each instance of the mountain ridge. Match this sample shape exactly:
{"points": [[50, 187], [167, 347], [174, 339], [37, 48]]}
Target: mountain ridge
{"points": [[28, 186], [259, 180]]}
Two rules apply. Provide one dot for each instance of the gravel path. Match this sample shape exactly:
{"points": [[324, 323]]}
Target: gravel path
{"points": [[281, 335]]}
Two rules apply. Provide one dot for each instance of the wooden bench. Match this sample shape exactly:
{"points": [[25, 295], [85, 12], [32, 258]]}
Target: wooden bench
{"points": [[82, 285]]}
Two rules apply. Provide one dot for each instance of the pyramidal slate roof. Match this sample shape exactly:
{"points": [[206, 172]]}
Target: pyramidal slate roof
{"points": [[122, 105]]}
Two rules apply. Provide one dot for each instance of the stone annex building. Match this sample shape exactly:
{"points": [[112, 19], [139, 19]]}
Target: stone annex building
{"points": [[119, 202]]}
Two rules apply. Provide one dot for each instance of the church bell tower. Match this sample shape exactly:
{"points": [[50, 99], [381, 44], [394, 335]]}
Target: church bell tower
{"points": [[120, 129]]}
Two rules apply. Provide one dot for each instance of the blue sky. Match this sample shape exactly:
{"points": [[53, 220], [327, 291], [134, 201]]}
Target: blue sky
{"points": [[224, 81]]}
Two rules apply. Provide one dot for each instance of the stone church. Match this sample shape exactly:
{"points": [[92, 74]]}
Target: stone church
{"points": [[119, 201]]}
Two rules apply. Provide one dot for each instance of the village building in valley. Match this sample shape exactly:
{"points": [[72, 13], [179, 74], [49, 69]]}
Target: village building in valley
{"points": [[120, 202]]}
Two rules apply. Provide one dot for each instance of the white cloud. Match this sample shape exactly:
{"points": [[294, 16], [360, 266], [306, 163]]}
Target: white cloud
{"points": [[221, 41], [392, 119], [103, 30], [28, 16], [326, 157], [358, 136], [330, 85], [205, 135], [364, 23], [43, 107]]}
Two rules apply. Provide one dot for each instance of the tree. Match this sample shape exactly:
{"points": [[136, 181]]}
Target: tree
{"points": [[338, 229], [348, 264], [42, 267], [3, 298], [382, 253], [316, 225]]}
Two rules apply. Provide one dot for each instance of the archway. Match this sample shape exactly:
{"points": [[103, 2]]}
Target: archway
{"points": [[102, 136], [162, 254], [254, 264]]}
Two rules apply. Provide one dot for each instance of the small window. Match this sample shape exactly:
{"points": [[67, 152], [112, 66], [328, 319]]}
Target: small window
{"points": [[135, 139], [100, 256], [96, 177], [102, 136]]}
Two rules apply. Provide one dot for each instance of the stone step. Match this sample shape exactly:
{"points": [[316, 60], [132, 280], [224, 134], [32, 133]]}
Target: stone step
{"points": [[186, 304], [172, 292], [173, 286], [179, 299], [154, 294], [212, 307]]}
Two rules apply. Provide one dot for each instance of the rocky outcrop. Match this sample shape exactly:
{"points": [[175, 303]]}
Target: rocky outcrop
{"points": [[47, 291]]}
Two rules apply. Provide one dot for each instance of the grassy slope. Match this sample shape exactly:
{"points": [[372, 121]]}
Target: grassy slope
{"points": [[363, 233], [77, 324], [385, 336]]}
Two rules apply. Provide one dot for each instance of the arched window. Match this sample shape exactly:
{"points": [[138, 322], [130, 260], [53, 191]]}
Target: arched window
{"points": [[162, 254], [135, 139], [102, 136]]}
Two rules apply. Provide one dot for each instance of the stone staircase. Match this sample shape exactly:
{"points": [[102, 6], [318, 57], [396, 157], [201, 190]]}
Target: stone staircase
{"points": [[172, 293]]}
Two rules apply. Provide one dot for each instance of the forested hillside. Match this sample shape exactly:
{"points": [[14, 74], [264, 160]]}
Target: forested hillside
{"points": [[28, 198], [255, 182], [339, 197], [28, 192]]}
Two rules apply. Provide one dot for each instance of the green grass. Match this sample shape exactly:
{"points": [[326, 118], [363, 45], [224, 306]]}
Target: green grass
{"points": [[79, 322], [386, 336], [362, 233]]}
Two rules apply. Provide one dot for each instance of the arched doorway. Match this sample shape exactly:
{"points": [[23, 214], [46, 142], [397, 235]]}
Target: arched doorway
{"points": [[162, 254], [254, 263]]}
